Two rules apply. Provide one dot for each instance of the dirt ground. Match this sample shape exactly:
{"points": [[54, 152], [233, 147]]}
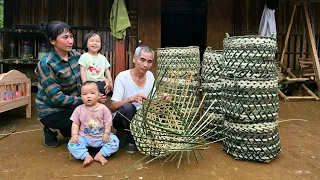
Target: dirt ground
{"points": [[23, 156]]}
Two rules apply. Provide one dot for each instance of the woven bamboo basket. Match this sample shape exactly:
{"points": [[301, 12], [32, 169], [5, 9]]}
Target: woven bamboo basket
{"points": [[166, 129], [187, 59], [250, 101], [255, 142], [211, 85], [249, 57], [249, 98]]}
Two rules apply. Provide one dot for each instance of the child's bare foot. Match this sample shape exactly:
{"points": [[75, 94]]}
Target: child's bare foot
{"points": [[100, 158], [87, 160]]}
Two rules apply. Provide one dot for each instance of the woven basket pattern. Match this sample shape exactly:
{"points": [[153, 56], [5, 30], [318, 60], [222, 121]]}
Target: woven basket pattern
{"points": [[211, 85], [184, 60], [162, 129], [249, 98], [249, 57]]}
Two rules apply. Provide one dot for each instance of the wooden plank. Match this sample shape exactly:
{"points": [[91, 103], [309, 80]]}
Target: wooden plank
{"points": [[287, 34], [120, 56], [14, 103], [310, 92], [221, 12], [149, 26], [237, 16], [1, 93], [133, 31], [297, 50], [316, 65], [282, 95], [291, 49], [132, 47], [300, 98], [298, 79]]}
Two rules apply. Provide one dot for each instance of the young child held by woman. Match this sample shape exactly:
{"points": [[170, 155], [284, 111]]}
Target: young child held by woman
{"points": [[91, 126], [93, 65]]}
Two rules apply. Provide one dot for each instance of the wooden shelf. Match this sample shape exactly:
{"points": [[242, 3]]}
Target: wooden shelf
{"points": [[18, 30], [19, 61]]}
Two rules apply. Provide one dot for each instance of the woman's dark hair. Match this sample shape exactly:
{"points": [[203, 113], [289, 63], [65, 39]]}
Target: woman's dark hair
{"points": [[53, 29], [87, 37]]}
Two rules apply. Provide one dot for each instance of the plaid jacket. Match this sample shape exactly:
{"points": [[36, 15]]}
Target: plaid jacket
{"points": [[59, 84]]}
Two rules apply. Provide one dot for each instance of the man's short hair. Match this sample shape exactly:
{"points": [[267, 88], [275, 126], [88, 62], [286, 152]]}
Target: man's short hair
{"points": [[146, 49]]}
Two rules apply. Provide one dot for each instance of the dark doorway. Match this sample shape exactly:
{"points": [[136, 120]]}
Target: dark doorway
{"points": [[184, 23]]}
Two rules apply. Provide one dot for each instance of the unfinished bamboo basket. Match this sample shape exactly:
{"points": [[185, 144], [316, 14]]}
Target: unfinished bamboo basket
{"points": [[170, 129], [249, 98], [211, 85]]}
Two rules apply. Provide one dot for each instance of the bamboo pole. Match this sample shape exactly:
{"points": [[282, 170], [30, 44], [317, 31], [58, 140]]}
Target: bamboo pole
{"points": [[315, 97], [287, 35], [300, 97], [314, 54], [299, 79]]}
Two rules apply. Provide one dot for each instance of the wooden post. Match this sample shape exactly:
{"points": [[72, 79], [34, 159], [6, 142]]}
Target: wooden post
{"points": [[120, 57], [314, 54], [287, 35], [28, 94], [282, 95]]}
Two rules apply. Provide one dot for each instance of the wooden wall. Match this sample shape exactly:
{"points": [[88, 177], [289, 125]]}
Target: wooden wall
{"points": [[149, 26], [219, 22], [86, 13], [133, 30], [237, 17], [83, 15], [245, 16]]}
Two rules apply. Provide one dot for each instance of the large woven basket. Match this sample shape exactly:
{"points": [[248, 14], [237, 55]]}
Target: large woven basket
{"points": [[250, 101], [255, 142], [211, 85], [184, 60], [249, 57], [187, 58], [249, 98]]}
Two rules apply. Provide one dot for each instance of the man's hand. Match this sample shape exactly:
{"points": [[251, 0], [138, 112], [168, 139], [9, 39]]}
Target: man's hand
{"points": [[138, 98], [165, 97], [102, 99], [74, 139]]}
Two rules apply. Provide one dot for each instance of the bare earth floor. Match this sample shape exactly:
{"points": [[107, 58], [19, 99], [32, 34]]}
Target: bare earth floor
{"points": [[23, 156]]}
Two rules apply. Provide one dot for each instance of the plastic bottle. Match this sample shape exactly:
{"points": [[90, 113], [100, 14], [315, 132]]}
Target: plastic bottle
{"points": [[25, 50], [42, 51], [12, 50]]}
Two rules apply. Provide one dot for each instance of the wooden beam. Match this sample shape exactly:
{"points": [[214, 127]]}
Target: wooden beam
{"points": [[314, 96], [299, 79], [314, 54], [120, 57], [287, 35], [282, 95], [300, 98]]}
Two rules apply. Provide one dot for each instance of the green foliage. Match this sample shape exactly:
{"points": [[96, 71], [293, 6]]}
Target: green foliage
{"points": [[1, 13]]}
